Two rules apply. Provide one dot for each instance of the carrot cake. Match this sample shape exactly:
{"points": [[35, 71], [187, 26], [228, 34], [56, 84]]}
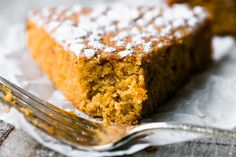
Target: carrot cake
{"points": [[222, 13], [119, 62]]}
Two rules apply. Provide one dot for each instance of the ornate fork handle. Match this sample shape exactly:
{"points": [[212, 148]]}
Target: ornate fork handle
{"points": [[151, 128], [186, 127]]}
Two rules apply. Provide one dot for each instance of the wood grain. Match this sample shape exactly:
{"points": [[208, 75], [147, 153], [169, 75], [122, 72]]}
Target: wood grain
{"points": [[18, 144], [191, 149], [5, 129]]}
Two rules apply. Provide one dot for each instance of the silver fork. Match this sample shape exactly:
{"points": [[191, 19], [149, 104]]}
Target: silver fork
{"points": [[85, 134]]}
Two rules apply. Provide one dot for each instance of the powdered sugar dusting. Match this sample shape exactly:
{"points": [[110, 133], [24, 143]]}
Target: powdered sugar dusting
{"points": [[118, 28]]}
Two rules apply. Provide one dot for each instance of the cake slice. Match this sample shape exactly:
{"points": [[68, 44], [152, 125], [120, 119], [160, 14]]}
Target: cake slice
{"points": [[222, 13], [119, 62]]}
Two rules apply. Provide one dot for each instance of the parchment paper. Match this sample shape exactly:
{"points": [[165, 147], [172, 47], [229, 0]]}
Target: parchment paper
{"points": [[208, 99]]}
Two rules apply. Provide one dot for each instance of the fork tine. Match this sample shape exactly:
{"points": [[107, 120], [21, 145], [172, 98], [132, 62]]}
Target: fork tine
{"points": [[65, 137], [59, 113], [52, 126], [42, 125], [54, 129], [28, 109], [53, 122], [53, 115]]}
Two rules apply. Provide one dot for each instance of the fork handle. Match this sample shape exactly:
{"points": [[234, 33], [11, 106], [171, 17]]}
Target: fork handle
{"points": [[205, 130], [151, 128]]}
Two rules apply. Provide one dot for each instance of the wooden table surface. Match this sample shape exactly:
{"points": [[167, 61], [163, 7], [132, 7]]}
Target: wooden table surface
{"points": [[16, 143]]}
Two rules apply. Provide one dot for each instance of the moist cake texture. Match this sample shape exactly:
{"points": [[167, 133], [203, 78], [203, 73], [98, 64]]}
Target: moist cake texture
{"points": [[222, 13], [119, 62]]}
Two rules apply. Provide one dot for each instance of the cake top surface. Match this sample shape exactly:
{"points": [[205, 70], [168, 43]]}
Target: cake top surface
{"points": [[118, 29]]}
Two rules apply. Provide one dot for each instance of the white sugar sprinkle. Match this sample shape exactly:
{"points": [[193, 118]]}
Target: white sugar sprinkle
{"points": [[73, 41], [193, 21], [76, 8], [46, 12], [183, 11], [138, 39], [151, 14], [123, 35], [198, 10], [160, 45], [145, 35], [178, 35], [124, 24], [63, 33], [142, 22], [96, 45], [98, 32], [130, 46], [178, 23], [40, 22], [120, 43], [69, 13], [77, 48], [52, 26], [67, 23], [89, 53], [166, 30], [60, 9], [141, 55], [147, 47], [151, 28], [120, 36], [160, 21], [54, 17], [155, 39], [134, 30], [95, 38], [111, 28], [110, 49], [125, 53], [79, 33]]}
